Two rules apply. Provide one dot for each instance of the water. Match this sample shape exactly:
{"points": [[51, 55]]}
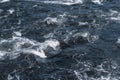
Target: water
{"points": [[59, 40]]}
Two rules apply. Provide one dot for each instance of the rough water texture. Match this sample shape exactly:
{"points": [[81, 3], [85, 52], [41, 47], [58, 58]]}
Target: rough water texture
{"points": [[59, 39]]}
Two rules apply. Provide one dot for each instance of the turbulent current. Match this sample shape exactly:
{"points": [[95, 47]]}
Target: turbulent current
{"points": [[59, 39]]}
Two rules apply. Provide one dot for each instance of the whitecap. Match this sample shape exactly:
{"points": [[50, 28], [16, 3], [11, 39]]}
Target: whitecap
{"points": [[13, 47]]}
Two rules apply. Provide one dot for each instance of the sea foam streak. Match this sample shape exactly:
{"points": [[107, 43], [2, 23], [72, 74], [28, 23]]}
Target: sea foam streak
{"points": [[64, 2], [68, 2], [12, 47]]}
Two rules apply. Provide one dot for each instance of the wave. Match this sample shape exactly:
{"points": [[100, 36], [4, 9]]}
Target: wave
{"points": [[13, 47]]}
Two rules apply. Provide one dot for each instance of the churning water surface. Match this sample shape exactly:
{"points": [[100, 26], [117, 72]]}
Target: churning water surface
{"points": [[59, 39]]}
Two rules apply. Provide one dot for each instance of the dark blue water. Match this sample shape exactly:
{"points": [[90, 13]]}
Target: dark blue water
{"points": [[59, 40]]}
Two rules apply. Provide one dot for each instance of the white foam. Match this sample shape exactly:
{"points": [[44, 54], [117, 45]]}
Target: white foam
{"points": [[35, 52], [83, 34], [68, 2], [107, 77], [2, 53], [63, 2], [12, 47], [3, 1], [113, 12], [50, 20], [110, 74], [118, 41], [11, 11], [17, 33], [86, 34], [97, 1], [113, 15], [71, 2], [52, 43], [50, 35], [115, 18], [56, 20], [83, 23], [93, 38], [12, 78]]}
